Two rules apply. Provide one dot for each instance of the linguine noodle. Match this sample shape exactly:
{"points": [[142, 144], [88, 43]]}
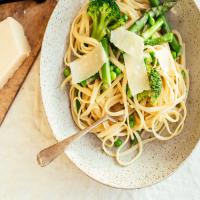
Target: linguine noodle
{"points": [[161, 121]]}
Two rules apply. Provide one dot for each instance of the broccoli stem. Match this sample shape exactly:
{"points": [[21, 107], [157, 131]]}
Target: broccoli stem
{"points": [[106, 76], [149, 32], [153, 12], [168, 37]]}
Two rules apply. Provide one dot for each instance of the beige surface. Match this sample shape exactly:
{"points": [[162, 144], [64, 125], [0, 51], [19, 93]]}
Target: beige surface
{"points": [[25, 132]]}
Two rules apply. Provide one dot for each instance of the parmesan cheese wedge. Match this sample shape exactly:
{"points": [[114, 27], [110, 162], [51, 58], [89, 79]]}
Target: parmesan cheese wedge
{"points": [[127, 41], [136, 73], [133, 46], [165, 59], [14, 48], [88, 65]]}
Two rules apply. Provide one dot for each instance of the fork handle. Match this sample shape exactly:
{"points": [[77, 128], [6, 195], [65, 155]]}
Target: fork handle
{"points": [[47, 155]]}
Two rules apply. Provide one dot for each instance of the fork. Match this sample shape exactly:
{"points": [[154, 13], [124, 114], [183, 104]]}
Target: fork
{"points": [[49, 154]]}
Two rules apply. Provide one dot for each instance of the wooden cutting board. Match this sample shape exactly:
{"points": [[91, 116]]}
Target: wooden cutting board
{"points": [[34, 18]]}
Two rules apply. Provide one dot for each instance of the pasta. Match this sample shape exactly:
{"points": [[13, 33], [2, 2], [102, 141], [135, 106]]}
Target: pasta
{"points": [[162, 120]]}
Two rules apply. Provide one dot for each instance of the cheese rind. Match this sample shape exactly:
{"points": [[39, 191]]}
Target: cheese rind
{"points": [[88, 65], [14, 48]]}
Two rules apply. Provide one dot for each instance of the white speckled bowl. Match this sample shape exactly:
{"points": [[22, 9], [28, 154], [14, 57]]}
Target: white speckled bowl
{"points": [[159, 159]]}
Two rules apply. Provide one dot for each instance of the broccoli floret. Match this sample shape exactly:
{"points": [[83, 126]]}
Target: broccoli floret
{"points": [[105, 15], [155, 84], [122, 20]]}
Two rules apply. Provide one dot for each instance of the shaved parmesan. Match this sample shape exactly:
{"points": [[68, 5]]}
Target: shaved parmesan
{"points": [[136, 73], [133, 46], [88, 65], [127, 41], [165, 59]]}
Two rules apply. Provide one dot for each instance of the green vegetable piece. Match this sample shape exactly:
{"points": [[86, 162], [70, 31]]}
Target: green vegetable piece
{"points": [[175, 45], [129, 94], [78, 105], [104, 14], [154, 3], [166, 28], [143, 95], [67, 72], [168, 37], [152, 54], [113, 75], [106, 74], [118, 142], [155, 84], [112, 67], [117, 71], [148, 60], [174, 55], [94, 77], [149, 32], [151, 21], [120, 22], [139, 24], [84, 83], [153, 12], [132, 121]]}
